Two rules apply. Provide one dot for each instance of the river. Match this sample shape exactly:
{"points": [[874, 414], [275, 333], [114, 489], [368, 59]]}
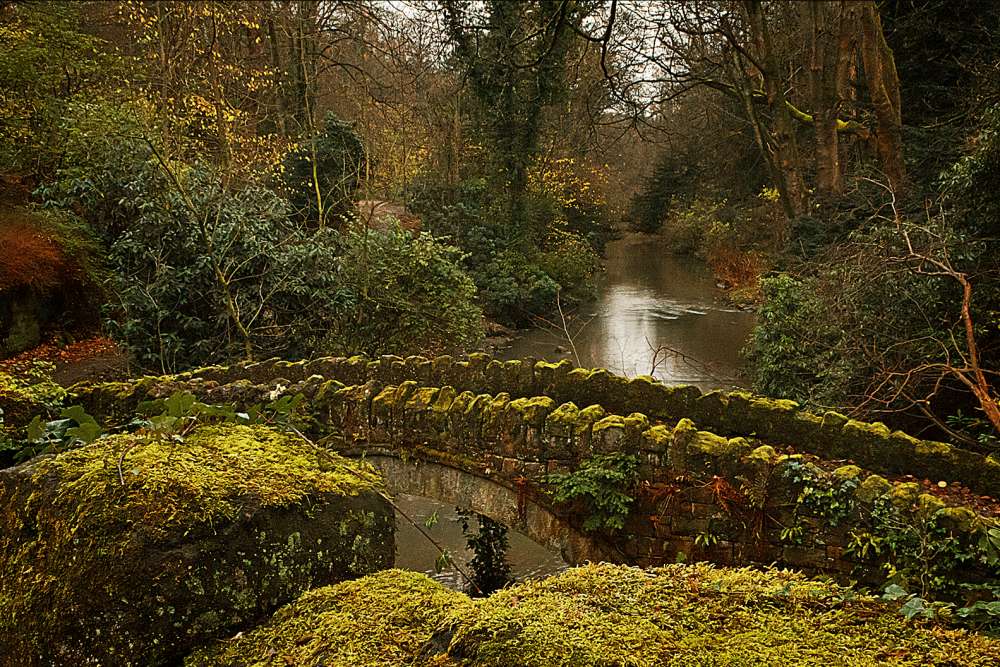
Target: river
{"points": [[648, 299]]}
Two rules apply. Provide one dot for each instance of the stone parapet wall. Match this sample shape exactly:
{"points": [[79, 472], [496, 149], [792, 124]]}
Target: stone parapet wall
{"points": [[779, 423], [698, 494]]}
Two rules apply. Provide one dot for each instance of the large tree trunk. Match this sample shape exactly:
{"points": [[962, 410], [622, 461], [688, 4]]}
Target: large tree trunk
{"points": [[785, 144], [883, 87]]}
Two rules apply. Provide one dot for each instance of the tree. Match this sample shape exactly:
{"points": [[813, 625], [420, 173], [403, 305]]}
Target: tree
{"points": [[514, 55]]}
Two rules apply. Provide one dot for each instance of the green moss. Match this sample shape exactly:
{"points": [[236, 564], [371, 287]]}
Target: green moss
{"points": [[959, 518], [23, 398], [696, 615], [872, 488], [81, 531], [657, 438], [764, 454], [844, 473], [928, 505], [382, 620], [533, 410], [905, 494]]}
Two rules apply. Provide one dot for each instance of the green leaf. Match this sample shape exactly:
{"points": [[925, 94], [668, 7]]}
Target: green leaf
{"points": [[35, 429], [179, 403], [77, 414], [86, 432], [894, 592]]}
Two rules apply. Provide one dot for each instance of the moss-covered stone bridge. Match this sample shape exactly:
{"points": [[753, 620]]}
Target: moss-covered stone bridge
{"points": [[728, 477]]}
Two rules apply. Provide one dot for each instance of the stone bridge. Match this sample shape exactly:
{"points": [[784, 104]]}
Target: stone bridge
{"points": [[728, 477]]}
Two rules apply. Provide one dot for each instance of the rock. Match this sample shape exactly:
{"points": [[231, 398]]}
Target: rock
{"points": [[134, 550], [382, 620], [592, 616]]}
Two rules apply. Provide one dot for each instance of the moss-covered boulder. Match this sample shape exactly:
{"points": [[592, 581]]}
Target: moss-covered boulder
{"points": [[383, 620], [598, 616], [698, 615], [133, 550]]}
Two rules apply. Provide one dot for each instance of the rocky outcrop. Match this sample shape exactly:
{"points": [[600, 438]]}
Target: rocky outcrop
{"points": [[135, 549]]}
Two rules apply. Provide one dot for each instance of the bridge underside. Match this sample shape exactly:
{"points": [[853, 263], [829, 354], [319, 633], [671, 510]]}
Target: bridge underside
{"points": [[462, 489]]}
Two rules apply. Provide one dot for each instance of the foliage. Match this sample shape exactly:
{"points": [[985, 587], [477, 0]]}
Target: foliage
{"points": [[31, 393], [785, 353], [516, 280], [322, 173], [73, 429], [49, 63], [671, 180], [820, 495], [490, 569], [403, 294], [872, 328], [925, 554], [171, 309], [604, 483]]}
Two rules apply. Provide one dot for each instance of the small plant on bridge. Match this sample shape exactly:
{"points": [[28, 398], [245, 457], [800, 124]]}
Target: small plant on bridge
{"points": [[605, 484], [823, 495]]}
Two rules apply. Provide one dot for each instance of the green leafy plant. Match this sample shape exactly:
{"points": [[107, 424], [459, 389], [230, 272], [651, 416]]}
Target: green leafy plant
{"points": [[604, 483], [490, 569], [73, 428], [821, 494]]}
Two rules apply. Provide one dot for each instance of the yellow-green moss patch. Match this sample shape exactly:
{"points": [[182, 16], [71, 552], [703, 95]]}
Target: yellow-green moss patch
{"points": [[697, 615], [382, 620], [133, 547]]}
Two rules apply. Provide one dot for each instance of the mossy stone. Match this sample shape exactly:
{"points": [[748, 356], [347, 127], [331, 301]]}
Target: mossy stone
{"points": [[132, 550]]}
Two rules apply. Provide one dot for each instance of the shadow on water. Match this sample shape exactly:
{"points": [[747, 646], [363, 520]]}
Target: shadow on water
{"points": [[413, 552], [649, 298]]}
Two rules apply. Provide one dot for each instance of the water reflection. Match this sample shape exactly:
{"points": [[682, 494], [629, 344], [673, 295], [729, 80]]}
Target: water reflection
{"points": [[414, 552], [652, 300]]}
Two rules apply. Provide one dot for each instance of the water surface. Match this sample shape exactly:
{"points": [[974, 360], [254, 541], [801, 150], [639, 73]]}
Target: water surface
{"points": [[528, 559], [649, 300]]}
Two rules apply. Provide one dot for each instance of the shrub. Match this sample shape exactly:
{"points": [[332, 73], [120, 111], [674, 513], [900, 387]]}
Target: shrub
{"points": [[404, 295], [686, 225], [571, 263], [335, 163]]}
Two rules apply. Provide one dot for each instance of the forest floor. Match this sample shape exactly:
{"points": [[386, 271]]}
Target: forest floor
{"points": [[95, 358]]}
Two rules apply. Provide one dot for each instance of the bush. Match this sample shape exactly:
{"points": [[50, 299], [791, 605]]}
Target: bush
{"points": [[686, 225], [340, 162], [405, 295], [516, 278], [787, 354]]}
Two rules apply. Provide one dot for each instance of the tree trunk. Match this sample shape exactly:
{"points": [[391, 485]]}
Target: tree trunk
{"points": [[883, 87], [785, 144]]}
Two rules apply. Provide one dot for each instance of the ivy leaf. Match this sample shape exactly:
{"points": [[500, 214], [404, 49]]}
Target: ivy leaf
{"points": [[914, 607], [894, 592], [77, 414], [179, 403]]}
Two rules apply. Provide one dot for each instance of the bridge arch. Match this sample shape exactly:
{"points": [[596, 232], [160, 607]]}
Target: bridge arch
{"points": [[499, 502]]}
